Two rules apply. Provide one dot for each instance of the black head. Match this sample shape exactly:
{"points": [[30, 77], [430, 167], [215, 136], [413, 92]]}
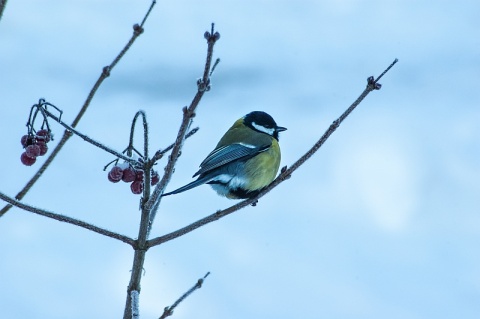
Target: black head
{"points": [[262, 122]]}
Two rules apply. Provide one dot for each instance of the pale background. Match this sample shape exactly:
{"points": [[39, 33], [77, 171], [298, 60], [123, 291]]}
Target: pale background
{"points": [[384, 221]]}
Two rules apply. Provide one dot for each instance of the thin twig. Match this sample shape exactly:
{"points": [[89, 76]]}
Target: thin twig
{"points": [[284, 175], [168, 311], [137, 30], [188, 114], [148, 12], [140, 243], [3, 4], [147, 169], [88, 139], [68, 220], [143, 227], [130, 147], [159, 154]]}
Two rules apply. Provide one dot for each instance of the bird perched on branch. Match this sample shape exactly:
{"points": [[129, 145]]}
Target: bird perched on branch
{"points": [[245, 160]]}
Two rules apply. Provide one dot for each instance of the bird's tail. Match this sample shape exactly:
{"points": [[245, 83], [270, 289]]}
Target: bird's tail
{"points": [[191, 185]]}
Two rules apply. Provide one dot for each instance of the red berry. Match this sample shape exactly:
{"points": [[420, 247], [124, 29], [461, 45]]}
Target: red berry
{"points": [[110, 178], [115, 174], [32, 151], [43, 147], [155, 178], [129, 174], [44, 135], [24, 140], [27, 140], [137, 187], [139, 176], [26, 160]]}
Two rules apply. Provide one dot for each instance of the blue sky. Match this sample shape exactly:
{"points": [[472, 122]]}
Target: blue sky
{"points": [[384, 221]]}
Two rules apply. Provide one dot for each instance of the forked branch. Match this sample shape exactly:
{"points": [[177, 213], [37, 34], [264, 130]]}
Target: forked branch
{"points": [[150, 206], [203, 85], [68, 220], [168, 311], [137, 31], [372, 84]]}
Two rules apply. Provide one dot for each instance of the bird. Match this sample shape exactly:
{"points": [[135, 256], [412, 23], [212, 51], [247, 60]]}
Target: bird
{"points": [[245, 160]]}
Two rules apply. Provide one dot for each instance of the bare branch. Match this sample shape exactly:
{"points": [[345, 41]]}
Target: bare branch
{"points": [[149, 207], [284, 175], [154, 2], [3, 4], [135, 304], [131, 310], [137, 30], [203, 85], [371, 86], [67, 219], [85, 137], [130, 147], [159, 154], [168, 311]]}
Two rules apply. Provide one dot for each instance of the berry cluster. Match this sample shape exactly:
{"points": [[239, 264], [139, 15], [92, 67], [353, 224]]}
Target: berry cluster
{"points": [[128, 174], [35, 145]]}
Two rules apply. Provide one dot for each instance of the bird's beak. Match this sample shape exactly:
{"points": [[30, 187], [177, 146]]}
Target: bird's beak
{"points": [[281, 129]]}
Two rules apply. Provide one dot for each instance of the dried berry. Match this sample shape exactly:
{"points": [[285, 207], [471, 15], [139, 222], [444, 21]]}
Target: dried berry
{"points": [[129, 174], [43, 147], [155, 178], [24, 140], [139, 176], [32, 151], [26, 160], [44, 135], [115, 174], [137, 187]]}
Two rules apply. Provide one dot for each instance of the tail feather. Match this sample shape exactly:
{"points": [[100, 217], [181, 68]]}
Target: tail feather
{"points": [[191, 185]]}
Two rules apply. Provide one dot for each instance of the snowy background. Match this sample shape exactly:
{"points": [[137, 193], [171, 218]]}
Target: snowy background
{"points": [[383, 222]]}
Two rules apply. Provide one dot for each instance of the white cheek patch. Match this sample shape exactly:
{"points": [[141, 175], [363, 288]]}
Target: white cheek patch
{"points": [[263, 129]]}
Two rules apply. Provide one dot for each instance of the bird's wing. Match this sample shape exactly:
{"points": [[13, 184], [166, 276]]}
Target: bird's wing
{"points": [[229, 153]]}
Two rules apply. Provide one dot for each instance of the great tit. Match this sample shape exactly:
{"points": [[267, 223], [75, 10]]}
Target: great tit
{"points": [[245, 160]]}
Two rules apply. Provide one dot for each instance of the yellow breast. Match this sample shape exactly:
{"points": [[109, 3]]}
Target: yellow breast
{"points": [[262, 169]]}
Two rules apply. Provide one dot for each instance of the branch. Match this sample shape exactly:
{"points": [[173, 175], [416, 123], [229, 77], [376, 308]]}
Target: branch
{"points": [[67, 219], [168, 311], [131, 304], [143, 227], [149, 207], [284, 175], [81, 135], [130, 147], [203, 85], [137, 30], [372, 84], [135, 304], [3, 4], [159, 154]]}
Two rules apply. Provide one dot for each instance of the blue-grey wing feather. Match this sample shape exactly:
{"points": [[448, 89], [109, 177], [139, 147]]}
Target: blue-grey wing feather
{"points": [[228, 154]]}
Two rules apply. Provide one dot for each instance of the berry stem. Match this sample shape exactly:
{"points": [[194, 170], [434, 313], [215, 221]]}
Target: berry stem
{"points": [[83, 136], [105, 73]]}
